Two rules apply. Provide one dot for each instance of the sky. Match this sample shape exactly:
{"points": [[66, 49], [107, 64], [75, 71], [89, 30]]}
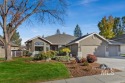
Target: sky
{"points": [[85, 13]]}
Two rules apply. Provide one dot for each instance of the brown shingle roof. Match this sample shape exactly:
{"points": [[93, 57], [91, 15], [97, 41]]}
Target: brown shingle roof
{"points": [[120, 38], [60, 39]]}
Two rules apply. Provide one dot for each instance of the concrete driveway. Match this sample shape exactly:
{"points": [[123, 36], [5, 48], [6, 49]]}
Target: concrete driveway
{"points": [[113, 62]]}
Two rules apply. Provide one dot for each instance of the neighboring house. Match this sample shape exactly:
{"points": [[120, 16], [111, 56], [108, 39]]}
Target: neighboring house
{"points": [[121, 39], [2, 51], [94, 44], [14, 48], [38, 44]]}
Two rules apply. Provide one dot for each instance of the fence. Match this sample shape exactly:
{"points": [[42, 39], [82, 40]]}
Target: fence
{"points": [[16, 53]]}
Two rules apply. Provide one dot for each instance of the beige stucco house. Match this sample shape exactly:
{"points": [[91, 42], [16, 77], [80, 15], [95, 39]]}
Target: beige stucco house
{"points": [[94, 44], [87, 44]]}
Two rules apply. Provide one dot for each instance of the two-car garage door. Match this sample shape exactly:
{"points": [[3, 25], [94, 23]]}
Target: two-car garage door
{"points": [[96, 50], [100, 51]]}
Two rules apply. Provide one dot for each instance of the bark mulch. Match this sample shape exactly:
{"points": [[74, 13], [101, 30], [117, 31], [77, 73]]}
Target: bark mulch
{"points": [[78, 70]]}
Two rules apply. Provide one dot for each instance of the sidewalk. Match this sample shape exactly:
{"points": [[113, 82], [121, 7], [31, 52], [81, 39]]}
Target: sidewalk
{"points": [[118, 77]]}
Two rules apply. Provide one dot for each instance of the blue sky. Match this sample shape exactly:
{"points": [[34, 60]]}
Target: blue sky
{"points": [[85, 13]]}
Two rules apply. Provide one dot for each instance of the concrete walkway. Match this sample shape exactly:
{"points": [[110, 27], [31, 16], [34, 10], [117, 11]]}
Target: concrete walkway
{"points": [[113, 62], [118, 77]]}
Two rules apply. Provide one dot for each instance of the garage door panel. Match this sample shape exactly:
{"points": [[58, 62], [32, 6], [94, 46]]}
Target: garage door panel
{"points": [[96, 50], [113, 50]]}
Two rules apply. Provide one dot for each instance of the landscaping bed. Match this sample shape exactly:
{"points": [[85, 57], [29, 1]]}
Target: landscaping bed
{"points": [[77, 69]]}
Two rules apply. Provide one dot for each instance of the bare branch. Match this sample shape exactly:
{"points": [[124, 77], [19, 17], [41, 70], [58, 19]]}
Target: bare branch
{"points": [[1, 25], [27, 16]]}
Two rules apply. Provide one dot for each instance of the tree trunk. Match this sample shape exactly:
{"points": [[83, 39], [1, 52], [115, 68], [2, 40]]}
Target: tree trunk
{"points": [[8, 52], [7, 47]]}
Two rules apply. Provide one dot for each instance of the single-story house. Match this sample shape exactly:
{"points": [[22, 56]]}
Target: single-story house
{"points": [[14, 48], [38, 44], [94, 44], [87, 44], [121, 39]]}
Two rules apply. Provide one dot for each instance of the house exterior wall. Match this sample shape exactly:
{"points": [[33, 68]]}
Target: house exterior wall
{"points": [[2, 52], [31, 46], [122, 49], [92, 40], [93, 45], [74, 49], [14, 48], [39, 40]]}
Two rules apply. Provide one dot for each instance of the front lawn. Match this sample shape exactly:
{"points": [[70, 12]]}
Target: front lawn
{"points": [[22, 71]]}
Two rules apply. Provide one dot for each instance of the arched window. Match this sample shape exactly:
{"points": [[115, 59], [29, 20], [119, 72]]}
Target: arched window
{"points": [[39, 43]]}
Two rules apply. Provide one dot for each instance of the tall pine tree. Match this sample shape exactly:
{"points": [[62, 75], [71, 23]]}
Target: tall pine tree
{"points": [[16, 38], [58, 31], [77, 31], [119, 26]]}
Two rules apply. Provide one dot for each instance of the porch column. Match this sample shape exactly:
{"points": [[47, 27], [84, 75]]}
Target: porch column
{"points": [[44, 47]]}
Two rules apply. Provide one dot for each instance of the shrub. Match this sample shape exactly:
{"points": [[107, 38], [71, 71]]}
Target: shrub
{"points": [[123, 55], [62, 58], [37, 57], [65, 51], [85, 63], [82, 60], [48, 54], [27, 53], [45, 55], [91, 58]]}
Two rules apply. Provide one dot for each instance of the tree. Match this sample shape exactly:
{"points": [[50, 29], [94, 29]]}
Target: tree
{"points": [[58, 31], [119, 27], [16, 38], [123, 23], [15, 12], [43, 36], [106, 27], [77, 31]]}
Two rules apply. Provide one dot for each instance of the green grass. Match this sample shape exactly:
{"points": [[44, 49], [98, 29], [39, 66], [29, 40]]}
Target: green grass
{"points": [[123, 55], [19, 71]]}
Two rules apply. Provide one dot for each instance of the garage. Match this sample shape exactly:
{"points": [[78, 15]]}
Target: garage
{"points": [[97, 45], [96, 50], [114, 50]]}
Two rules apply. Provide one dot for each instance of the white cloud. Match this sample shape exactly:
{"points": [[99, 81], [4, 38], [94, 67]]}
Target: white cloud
{"points": [[34, 30], [86, 2]]}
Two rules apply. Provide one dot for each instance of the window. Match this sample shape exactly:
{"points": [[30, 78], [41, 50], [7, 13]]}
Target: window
{"points": [[38, 48], [39, 43]]}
